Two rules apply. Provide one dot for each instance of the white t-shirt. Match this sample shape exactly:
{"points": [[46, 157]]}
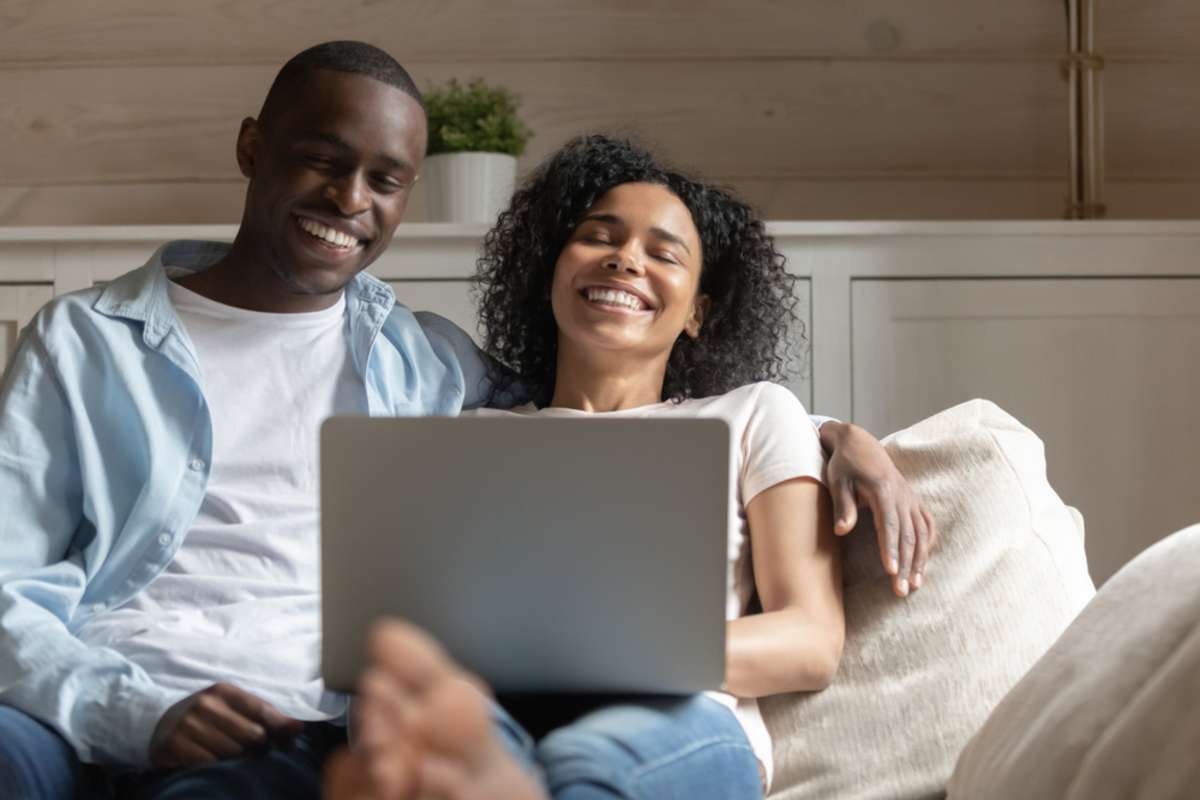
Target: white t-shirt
{"points": [[240, 600], [773, 441]]}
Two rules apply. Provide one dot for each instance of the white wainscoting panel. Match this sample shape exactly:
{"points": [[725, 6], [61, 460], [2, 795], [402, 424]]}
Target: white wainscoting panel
{"points": [[1104, 370]]}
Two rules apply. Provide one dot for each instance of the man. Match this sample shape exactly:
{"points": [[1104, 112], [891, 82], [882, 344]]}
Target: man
{"points": [[158, 551]]}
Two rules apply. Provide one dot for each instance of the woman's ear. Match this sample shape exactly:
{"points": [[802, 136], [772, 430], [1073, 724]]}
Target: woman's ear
{"points": [[699, 311], [249, 138]]}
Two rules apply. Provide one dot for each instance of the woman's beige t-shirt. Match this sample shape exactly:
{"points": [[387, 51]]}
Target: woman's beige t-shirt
{"points": [[773, 441]]}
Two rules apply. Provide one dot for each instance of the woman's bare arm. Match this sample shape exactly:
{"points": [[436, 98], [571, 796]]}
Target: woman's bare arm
{"points": [[796, 642]]}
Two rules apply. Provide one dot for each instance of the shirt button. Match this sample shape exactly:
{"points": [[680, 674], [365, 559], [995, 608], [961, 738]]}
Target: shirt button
{"points": [[97, 608], [164, 539], [196, 464]]}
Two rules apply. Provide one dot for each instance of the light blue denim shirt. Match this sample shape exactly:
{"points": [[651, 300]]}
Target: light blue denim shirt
{"points": [[105, 443]]}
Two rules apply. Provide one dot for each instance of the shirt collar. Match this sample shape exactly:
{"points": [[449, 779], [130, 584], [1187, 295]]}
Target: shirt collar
{"points": [[142, 294]]}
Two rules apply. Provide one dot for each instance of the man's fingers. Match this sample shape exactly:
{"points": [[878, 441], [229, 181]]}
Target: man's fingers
{"points": [[845, 508], [259, 710], [212, 739], [921, 553], [237, 725]]}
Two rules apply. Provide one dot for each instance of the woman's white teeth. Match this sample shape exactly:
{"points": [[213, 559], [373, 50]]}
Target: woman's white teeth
{"points": [[615, 297], [327, 233]]}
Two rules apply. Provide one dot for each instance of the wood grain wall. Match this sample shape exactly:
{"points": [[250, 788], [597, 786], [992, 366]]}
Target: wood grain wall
{"points": [[125, 111]]}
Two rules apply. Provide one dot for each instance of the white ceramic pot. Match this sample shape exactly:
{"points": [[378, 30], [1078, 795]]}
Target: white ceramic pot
{"points": [[468, 187]]}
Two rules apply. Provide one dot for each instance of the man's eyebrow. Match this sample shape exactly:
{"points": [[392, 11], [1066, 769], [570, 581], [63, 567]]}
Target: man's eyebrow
{"points": [[341, 144], [327, 138], [662, 233]]}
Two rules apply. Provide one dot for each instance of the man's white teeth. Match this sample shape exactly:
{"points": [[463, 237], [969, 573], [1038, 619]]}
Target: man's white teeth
{"points": [[325, 232], [615, 297]]}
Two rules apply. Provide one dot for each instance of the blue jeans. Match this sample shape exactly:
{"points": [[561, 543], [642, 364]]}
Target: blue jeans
{"points": [[689, 748], [662, 749]]}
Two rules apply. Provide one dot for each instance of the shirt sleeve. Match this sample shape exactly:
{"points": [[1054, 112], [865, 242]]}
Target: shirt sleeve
{"points": [[105, 706], [780, 443], [477, 367], [818, 420]]}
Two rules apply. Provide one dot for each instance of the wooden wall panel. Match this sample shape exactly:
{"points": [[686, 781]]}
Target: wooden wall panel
{"points": [[270, 31], [220, 202], [948, 109], [742, 118], [167, 203], [1167, 199], [1152, 113], [1149, 30]]}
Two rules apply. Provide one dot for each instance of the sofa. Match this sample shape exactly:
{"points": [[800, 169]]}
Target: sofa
{"points": [[1007, 675], [920, 676]]}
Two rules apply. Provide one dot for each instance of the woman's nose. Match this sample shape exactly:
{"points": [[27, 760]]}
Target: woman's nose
{"points": [[624, 261]]}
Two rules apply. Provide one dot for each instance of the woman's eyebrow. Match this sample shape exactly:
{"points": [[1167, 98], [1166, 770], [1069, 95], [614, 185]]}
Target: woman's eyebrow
{"points": [[611, 219]]}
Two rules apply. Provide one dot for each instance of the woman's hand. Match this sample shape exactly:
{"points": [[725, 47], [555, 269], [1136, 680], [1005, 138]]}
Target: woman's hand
{"points": [[860, 473]]}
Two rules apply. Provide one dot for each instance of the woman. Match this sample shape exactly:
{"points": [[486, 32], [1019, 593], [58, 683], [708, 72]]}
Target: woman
{"points": [[614, 286]]}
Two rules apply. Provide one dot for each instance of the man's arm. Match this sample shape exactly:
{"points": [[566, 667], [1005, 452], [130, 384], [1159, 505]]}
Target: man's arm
{"points": [[477, 367], [861, 473], [104, 705]]}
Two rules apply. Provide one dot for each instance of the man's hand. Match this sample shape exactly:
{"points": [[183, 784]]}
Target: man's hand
{"points": [[219, 722], [860, 473]]}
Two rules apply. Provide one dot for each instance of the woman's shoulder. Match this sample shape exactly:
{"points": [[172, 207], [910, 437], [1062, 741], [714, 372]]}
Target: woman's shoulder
{"points": [[763, 396]]}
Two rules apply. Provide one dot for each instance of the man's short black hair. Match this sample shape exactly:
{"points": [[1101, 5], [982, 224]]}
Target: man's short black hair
{"points": [[359, 58]]}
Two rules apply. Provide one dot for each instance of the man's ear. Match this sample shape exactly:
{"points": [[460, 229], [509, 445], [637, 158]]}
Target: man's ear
{"points": [[699, 312], [248, 142]]}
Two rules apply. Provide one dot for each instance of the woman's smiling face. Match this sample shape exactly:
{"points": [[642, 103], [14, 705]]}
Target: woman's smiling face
{"points": [[628, 277]]}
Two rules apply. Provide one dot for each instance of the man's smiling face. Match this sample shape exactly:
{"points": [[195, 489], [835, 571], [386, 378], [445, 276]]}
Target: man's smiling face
{"points": [[330, 174]]}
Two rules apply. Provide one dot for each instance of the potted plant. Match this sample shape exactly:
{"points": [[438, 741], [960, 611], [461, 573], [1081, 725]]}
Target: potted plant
{"points": [[475, 137]]}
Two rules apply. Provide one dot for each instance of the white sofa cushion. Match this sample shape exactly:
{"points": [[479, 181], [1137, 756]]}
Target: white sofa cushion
{"points": [[1111, 710], [920, 675]]}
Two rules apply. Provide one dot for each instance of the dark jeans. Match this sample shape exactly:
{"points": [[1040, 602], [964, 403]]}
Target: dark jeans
{"points": [[38, 764]]}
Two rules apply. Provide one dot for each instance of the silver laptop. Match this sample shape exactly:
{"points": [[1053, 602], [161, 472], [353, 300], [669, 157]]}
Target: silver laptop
{"points": [[547, 555]]}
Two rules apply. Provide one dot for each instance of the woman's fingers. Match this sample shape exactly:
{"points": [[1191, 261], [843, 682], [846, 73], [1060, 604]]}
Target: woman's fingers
{"points": [[908, 546], [921, 553], [845, 507]]}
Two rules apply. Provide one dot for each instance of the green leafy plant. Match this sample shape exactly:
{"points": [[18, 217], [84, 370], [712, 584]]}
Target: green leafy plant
{"points": [[474, 118]]}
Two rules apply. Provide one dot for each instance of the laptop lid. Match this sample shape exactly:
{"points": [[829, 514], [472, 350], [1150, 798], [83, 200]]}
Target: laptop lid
{"points": [[547, 555]]}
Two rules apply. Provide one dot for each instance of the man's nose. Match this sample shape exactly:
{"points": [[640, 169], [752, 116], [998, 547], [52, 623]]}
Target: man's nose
{"points": [[350, 193]]}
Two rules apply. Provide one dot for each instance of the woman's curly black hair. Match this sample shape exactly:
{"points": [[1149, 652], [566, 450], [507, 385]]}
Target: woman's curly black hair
{"points": [[744, 337]]}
